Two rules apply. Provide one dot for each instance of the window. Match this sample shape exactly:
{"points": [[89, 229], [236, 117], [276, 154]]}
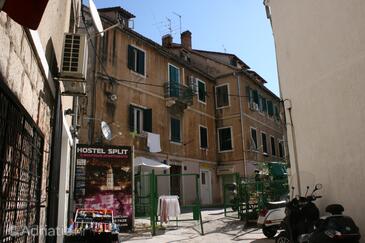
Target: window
{"points": [[253, 95], [270, 109], [136, 60], [203, 131], [264, 105], [174, 80], [201, 91], [222, 95], [273, 151], [281, 149], [254, 144], [140, 119], [175, 126], [264, 142], [276, 113], [225, 139]]}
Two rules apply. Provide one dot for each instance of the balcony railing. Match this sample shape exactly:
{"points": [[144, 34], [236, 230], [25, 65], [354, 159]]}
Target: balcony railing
{"points": [[180, 93]]}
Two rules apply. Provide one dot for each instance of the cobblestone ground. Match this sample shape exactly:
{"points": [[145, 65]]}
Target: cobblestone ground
{"points": [[217, 228]]}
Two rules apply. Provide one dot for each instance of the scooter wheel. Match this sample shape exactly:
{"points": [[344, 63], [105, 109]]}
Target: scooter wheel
{"points": [[282, 238], [269, 231]]}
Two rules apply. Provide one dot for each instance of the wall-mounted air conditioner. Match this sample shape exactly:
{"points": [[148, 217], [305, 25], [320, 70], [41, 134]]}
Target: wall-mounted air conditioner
{"points": [[74, 63], [193, 84], [254, 106]]}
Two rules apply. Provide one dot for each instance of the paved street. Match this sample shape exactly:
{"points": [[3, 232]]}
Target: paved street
{"points": [[217, 228]]}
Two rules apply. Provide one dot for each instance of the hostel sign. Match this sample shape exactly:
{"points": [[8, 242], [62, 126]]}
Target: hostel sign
{"points": [[104, 180]]}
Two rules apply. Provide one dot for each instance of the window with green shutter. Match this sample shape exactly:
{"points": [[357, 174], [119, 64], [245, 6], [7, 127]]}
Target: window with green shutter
{"points": [[174, 81], [136, 60], [175, 130], [273, 146], [264, 142], [225, 139], [203, 137], [222, 99], [140, 119], [270, 108], [201, 91]]}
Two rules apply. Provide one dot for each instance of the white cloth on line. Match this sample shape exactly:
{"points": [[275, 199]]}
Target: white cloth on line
{"points": [[168, 206], [153, 142]]}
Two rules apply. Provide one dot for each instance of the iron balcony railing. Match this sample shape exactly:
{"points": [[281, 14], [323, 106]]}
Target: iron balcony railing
{"points": [[181, 93]]}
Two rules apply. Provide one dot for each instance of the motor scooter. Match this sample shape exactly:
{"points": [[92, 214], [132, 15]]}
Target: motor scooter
{"points": [[302, 223], [271, 217]]}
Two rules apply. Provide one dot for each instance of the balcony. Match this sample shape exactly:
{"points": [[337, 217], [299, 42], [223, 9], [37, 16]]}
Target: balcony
{"points": [[178, 96]]}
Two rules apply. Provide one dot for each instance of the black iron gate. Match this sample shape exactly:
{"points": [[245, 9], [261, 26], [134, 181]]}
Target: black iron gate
{"points": [[21, 149]]}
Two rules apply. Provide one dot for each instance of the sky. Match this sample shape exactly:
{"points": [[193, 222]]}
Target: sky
{"points": [[239, 27]]}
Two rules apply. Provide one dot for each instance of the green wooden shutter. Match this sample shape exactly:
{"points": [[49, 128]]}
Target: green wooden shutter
{"points": [[264, 105], [131, 118], [256, 96], [203, 137], [147, 120], [140, 62], [270, 109], [202, 92], [131, 61]]}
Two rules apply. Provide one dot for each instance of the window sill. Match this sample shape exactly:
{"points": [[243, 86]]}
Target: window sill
{"points": [[226, 151], [176, 143], [222, 107], [138, 74]]}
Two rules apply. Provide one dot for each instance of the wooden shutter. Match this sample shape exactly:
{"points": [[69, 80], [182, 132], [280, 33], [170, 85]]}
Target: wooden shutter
{"points": [[270, 110], [131, 61], [147, 120], [140, 62], [203, 137], [131, 118]]}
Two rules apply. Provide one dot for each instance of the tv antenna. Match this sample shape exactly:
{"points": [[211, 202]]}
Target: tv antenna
{"points": [[169, 25], [179, 19]]}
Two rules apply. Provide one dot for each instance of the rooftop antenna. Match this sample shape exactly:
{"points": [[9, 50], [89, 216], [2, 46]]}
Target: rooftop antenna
{"points": [[170, 29], [179, 19], [224, 48]]}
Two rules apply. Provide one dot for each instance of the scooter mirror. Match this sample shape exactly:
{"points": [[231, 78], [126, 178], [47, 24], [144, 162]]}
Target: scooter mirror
{"points": [[318, 187]]}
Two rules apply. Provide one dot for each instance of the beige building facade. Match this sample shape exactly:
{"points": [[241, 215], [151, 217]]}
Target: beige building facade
{"points": [[321, 57], [203, 105]]}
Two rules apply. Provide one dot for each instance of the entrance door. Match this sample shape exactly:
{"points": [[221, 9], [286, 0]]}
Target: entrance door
{"points": [[205, 187], [175, 181]]}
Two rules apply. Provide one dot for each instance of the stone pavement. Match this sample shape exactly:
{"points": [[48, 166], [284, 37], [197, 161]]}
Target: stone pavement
{"points": [[217, 228]]}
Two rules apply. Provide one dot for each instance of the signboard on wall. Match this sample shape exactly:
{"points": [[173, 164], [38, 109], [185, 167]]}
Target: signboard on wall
{"points": [[104, 180]]}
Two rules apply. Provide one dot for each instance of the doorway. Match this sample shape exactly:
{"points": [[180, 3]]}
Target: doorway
{"points": [[175, 181], [206, 187]]}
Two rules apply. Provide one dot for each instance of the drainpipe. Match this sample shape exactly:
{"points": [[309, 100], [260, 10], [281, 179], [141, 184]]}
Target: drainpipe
{"points": [[75, 108], [241, 118]]}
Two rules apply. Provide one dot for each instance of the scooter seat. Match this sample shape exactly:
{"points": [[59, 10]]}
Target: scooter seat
{"points": [[278, 204]]}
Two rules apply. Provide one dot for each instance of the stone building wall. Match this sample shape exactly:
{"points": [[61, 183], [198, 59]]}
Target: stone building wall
{"points": [[19, 69]]}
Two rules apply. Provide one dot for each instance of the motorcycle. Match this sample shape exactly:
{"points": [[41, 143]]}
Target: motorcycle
{"points": [[302, 223], [271, 217]]}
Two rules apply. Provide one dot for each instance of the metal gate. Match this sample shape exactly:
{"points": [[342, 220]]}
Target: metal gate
{"points": [[21, 148]]}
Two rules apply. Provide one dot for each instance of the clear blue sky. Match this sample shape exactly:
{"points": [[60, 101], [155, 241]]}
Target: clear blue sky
{"points": [[238, 26]]}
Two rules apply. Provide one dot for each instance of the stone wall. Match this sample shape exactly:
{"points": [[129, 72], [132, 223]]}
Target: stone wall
{"points": [[19, 69]]}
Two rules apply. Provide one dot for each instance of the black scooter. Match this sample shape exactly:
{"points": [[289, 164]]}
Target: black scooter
{"points": [[303, 225]]}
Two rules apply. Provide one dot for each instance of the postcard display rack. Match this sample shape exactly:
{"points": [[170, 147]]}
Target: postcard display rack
{"points": [[92, 224]]}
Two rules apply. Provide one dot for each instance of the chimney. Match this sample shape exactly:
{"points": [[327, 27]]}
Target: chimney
{"points": [[186, 39], [167, 40]]}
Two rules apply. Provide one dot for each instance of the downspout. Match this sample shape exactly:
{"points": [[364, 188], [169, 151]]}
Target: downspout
{"points": [[55, 164], [241, 118]]}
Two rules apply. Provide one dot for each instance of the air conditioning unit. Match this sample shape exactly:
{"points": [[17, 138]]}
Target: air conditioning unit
{"points": [[254, 106], [193, 84], [74, 64]]}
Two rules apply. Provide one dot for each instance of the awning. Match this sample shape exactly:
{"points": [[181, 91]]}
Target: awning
{"points": [[142, 161]]}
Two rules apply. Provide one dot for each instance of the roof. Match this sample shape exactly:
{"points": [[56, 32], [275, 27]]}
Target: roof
{"points": [[161, 49], [224, 54], [118, 9]]}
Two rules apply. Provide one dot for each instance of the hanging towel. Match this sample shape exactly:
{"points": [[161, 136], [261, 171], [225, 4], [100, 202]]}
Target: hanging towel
{"points": [[153, 142]]}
